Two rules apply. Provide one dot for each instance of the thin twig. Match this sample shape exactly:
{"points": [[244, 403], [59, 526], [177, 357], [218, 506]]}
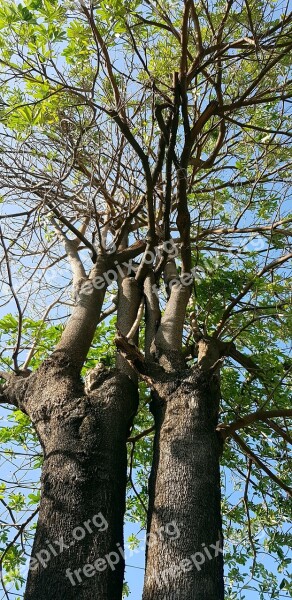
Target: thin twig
{"points": [[247, 450], [19, 533], [10, 283], [245, 499], [140, 435]]}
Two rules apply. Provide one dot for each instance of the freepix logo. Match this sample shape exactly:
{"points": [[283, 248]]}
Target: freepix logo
{"points": [[113, 558], [130, 267], [170, 248], [56, 547], [196, 560], [111, 275]]}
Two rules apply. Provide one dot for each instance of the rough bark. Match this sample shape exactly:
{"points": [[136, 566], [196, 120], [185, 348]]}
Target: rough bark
{"points": [[83, 437], [184, 560]]}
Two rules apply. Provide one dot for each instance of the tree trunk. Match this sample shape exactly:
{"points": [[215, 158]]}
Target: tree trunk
{"points": [[77, 551], [184, 553]]}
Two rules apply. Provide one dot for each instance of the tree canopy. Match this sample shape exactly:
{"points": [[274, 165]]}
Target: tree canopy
{"points": [[136, 129]]}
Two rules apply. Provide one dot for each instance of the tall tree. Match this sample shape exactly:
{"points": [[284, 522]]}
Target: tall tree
{"points": [[145, 145]]}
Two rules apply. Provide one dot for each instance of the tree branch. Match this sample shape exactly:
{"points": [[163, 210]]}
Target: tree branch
{"points": [[247, 450], [20, 315], [139, 436], [247, 287], [77, 267], [227, 430]]}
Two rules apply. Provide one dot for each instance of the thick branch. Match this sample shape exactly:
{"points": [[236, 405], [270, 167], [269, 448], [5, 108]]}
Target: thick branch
{"points": [[169, 335], [152, 314], [256, 229], [79, 331], [77, 267], [14, 389], [129, 302], [245, 361]]}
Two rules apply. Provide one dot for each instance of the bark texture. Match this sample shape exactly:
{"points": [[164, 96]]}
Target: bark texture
{"points": [[83, 437], [184, 560]]}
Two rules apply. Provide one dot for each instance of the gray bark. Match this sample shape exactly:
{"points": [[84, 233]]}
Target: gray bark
{"points": [[169, 335], [84, 474], [184, 490]]}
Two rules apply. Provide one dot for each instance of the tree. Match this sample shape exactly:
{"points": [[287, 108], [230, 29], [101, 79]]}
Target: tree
{"points": [[145, 145]]}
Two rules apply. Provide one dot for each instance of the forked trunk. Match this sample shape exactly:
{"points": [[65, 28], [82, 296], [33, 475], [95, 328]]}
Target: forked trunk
{"points": [[184, 554], [77, 551]]}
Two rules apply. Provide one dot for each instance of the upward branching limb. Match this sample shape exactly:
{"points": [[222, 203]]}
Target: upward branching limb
{"points": [[152, 314], [129, 314], [79, 234], [168, 339], [77, 267]]}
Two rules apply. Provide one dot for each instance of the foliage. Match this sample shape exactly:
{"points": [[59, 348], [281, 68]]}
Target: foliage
{"points": [[63, 155]]}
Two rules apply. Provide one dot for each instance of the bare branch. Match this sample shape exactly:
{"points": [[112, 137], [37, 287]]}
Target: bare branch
{"points": [[260, 464], [247, 287], [260, 415]]}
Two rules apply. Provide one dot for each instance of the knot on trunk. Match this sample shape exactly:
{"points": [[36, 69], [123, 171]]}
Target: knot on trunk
{"points": [[211, 353], [96, 376]]}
